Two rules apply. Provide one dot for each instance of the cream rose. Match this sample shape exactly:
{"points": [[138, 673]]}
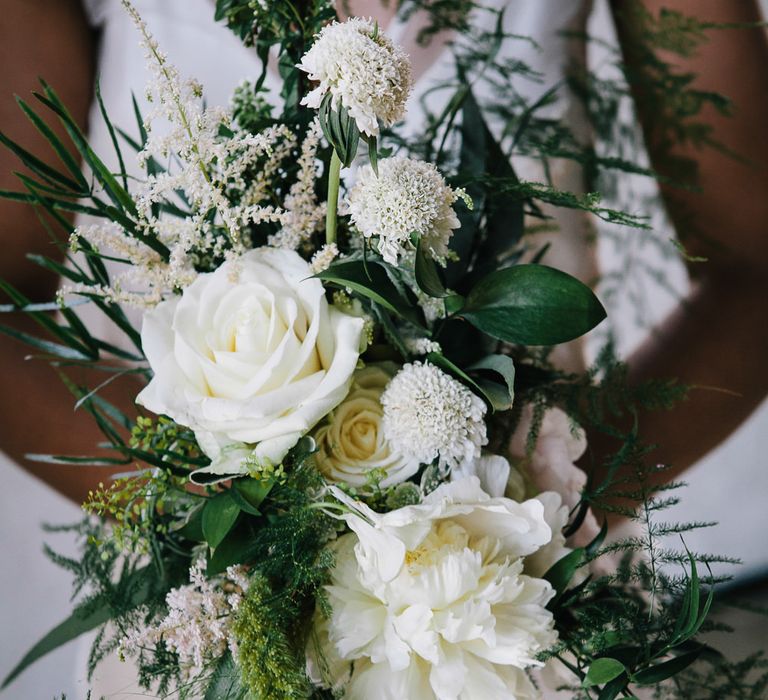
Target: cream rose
{"points": [[251, 353], [351, 441]]}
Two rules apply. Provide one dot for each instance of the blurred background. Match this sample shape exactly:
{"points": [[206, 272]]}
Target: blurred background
{"points": [[35, 594]]}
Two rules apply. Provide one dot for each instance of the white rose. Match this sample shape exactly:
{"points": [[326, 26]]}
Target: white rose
{"points": [[251, 353], [351, 440], [430, 601]]}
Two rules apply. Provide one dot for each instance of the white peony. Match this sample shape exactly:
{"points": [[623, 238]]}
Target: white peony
{"points": [[362, 69], [497, 478], [351, 441], [429, 415], [405, 196], [551, 466], [251, 353], [430, 601]]}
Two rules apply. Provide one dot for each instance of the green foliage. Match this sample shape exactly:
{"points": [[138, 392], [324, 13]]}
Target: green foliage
{"points": [[219, 516], [225, 683], [250, 110], [532, 305], [271, 665], [377, 281], [633, 626], [123, 590], [340, 130], [288, 25], [442, 15]]}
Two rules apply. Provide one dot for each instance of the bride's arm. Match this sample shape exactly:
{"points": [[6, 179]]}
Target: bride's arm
{"points": [[718, 337], [48, 38]]}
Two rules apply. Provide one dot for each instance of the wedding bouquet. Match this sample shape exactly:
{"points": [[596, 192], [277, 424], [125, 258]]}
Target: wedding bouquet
{"points": [[354, 470]]}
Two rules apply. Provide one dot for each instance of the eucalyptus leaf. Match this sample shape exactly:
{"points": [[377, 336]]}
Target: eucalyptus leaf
{"points": [[603, 671], [219, 516], [502, 366], [562, 571], [249, 493], [660, 672], [612, 689], [236, 548], [532, 305]]}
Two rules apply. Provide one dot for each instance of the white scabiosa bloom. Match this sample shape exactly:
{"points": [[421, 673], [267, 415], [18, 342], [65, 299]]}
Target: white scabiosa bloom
{"points": [[430, 601], [362, 69], [351, 441], [429, 415], [407, 195]]}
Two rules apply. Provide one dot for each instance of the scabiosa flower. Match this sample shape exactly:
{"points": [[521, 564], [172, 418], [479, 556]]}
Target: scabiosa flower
{"points": [[407, 195], [429, 415], [362, 69]]}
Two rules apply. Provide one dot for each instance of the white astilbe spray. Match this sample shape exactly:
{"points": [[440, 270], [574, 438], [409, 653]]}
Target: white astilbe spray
{"points": [[323, 258], [198, 624], [142, 280], [407, 195], [362, 69], [303, 213], [213, 187], [429, 415]]}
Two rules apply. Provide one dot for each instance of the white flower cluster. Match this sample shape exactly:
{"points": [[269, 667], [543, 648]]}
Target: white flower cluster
{"points": [[422, 346], [323, 258], [209, 169], [362, 69], [303, 213], [140, 283], [197, 626], [431, 601], [430, 415], [406, 196]]}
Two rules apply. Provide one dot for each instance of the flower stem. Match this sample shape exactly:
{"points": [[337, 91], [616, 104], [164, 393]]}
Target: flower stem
{"points": [[333, 198]]}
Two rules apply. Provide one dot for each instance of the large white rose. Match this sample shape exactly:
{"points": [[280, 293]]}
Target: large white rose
{"points": [[351, 441], [430, 601], [251, 353]]}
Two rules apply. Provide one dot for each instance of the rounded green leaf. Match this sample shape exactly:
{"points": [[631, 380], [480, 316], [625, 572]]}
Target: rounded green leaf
{"points": [[532, 305], [603, 671]]}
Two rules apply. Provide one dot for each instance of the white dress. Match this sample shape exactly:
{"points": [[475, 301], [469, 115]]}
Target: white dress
{"points": [[211, 53]]}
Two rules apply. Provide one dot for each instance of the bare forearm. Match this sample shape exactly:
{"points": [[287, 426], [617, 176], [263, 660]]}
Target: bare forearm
{"points": [[49, 39], [717, 340], [37, 415], [717, 344]]}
